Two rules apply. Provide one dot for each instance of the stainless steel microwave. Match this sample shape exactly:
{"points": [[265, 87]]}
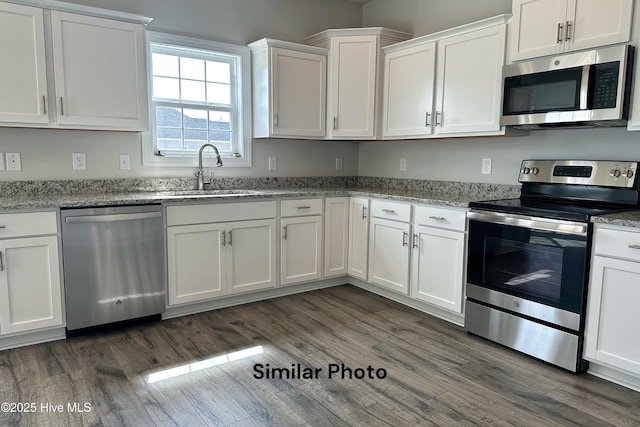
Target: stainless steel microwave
{"points": [[582, 89]]}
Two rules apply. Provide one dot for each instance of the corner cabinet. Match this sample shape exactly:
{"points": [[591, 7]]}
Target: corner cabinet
{"points": [[216, 250], [30, 284], [354, 79], [428, 82], [548, 27], [613, 320], [95, 77], [289, 89]]}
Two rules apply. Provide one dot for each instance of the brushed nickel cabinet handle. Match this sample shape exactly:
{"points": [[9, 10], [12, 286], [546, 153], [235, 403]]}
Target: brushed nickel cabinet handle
{"points": [[390, 211], [230, 238], [426, 119], [224, 238], [415, 240], [284, 232], [303, 207], [364, 213], [1, 262], [275, 120], [405, 236], [634, 246], [44, 104], [438, 115], [61, 106], [567, 36], [559, 34], [438, 218], [335, 123]]}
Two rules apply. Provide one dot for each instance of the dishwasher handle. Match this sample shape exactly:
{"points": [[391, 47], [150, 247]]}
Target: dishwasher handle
{"points": [[83, 219]]}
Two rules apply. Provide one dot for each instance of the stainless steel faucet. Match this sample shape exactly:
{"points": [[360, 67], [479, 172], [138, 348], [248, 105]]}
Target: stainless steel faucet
{"points": [[200, 173]]}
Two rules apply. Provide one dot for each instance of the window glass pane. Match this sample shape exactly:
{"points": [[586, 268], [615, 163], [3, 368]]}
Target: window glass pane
{"points": [[219, 72], [165, 65], [193, 139], [191, 68], [217, 136], [195, 119], [166, 88], [168, 117], [169, 138], [192, 91], [219, 93], [219, 120]]}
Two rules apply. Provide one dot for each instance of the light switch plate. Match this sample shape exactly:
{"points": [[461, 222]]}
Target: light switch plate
{"points": [[403, 165], [339, 163], [13, 162]]}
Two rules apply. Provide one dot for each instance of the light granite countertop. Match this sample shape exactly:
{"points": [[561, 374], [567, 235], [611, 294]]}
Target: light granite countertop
{"points": [[94, 199], [622, 219]]}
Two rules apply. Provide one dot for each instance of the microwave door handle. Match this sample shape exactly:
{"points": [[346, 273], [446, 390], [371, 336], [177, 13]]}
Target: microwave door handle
{"points": [[584, 87]]}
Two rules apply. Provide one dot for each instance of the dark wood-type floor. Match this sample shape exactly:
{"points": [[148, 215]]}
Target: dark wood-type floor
{"points": [[436, 373]]}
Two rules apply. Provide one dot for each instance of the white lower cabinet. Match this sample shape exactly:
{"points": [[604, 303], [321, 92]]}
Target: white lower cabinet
{"points": [[301, 242], [30, 285], [389, 248], [438, 260], [358, 237], [336, 236], [220, 258], [613, 320]]}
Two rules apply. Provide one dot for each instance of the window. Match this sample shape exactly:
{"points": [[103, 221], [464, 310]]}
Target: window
{"points": [[199, 93]]}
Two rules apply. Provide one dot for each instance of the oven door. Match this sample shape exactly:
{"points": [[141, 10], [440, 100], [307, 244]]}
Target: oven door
{"points": [[533, 266]]}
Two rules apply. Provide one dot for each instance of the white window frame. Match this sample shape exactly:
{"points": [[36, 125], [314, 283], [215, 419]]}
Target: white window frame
{"points": [[150, 157]]}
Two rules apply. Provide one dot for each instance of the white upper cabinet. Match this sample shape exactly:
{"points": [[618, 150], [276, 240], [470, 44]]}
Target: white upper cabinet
{"points": [[355, 79], [289, 89], [99, 69], [94, 77], [547, 27], [429, 82], [23, 74]]}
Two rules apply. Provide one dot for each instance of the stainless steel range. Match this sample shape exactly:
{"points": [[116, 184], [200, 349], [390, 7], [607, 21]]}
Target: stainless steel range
{"points": [[528, 258]]}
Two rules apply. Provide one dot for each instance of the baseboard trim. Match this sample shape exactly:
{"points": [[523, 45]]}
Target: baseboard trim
{"points": [[614, 376], [32, 338]]}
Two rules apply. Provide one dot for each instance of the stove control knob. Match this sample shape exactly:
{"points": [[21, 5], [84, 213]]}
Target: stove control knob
{"points": [[525, 170], [615, 173], [628, 174], [535, 171]]}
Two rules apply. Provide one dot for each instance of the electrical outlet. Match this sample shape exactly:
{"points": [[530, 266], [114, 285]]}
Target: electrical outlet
{"points": [[13, 162], [1, 162], [79, 161], [486, 166], [273, 163], [125, 162], [339, 163], [403, 165]]}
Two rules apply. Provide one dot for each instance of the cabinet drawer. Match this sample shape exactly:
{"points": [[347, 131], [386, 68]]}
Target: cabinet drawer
{"points": [[441, 217], [219, 212], [28, 224], [391, 210], [301, 207], [617, 243]]}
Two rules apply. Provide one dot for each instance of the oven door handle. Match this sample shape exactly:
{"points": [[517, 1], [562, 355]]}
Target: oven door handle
{"points": [[546, 224]]}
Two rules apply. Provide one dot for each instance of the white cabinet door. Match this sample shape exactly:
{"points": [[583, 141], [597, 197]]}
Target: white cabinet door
{"points": [[613, 320], [196, 264], [251, 255], [389, 254], [299, 93], [336, 236], [438, 267], [596, 23], [352, 87], [30, 293], [301, 249], [99, 69], [409, 79], [23, 74], [358, 238], [547, 27], [469, 81], [538, 27]]}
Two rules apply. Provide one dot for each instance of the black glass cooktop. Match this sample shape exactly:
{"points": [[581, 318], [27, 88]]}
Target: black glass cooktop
{"points": [[547, 209]]}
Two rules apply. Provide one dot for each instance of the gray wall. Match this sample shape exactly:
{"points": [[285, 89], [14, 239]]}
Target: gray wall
{"points": [[46, 154], [460, 159]]}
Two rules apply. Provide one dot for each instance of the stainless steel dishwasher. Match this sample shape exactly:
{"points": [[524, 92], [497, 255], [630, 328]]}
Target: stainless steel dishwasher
{"points": [[114, 261]]}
